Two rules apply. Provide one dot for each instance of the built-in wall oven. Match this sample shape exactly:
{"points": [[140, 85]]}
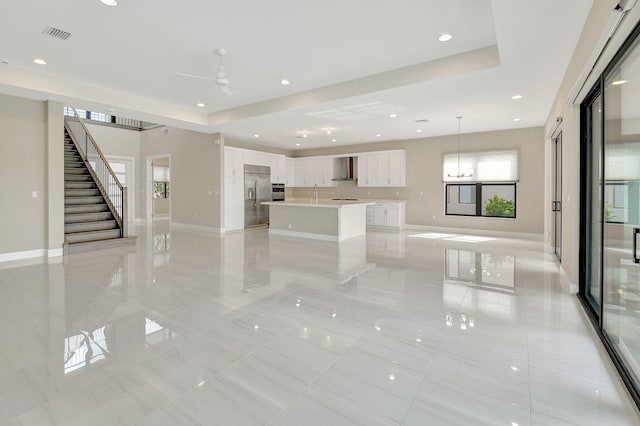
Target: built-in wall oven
{"points": [[277, 192]]}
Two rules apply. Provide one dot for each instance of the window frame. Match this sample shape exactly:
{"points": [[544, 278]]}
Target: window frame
{"points": [[478, 196]]}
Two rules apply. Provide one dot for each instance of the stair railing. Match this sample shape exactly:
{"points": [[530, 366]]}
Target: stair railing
{"points": [[108, 184]]}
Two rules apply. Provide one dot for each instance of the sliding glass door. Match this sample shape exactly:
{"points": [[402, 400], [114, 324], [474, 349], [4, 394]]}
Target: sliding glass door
{"points": [[621, 271], [594, 204], [610, 214]]}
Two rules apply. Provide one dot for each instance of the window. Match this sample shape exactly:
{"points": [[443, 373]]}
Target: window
{"points": [[481, 183], [481, 199]]}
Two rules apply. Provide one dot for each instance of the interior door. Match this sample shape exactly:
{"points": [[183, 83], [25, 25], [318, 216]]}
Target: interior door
{"points": [[557, 198]]}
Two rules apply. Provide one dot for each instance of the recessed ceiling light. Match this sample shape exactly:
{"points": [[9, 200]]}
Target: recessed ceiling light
{"points": [[393, 115], [328, 132], [256, 135], [109, 2], [334, 140], [297, 144], [304, 135], [285, 82], [419, 130], [445, 37], [516, 97], [517, 119], [200, 104], [618, 82], [40, 61], [378, 135]]}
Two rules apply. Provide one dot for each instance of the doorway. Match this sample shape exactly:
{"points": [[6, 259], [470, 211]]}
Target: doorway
{"points": [[158, 187], [556, 204], [124, 169]]}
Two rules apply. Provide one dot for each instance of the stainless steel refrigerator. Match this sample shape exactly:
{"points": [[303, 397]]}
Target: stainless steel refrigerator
{"points": [[257, 188]]}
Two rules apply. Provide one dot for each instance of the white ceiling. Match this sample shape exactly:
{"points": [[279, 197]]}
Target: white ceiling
{"points": [[351, 63]]}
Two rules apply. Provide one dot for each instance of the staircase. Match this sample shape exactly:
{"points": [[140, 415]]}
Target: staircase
{"points": [[88, 221]]}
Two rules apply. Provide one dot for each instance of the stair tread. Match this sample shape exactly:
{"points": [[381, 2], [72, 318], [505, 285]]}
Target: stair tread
{"points": [[83, 237], [87, 217], [93, 226]]}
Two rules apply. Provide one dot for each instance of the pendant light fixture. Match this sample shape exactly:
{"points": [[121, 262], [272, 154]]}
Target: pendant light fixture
{"points": [[458, 174]]}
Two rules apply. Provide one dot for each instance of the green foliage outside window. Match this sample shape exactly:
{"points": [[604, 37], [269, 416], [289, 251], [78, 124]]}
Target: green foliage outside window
{"points": [[498, 206]]}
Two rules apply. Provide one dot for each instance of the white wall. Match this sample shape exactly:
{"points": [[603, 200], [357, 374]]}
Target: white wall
{"points": [[196, 169], [23, 166]]}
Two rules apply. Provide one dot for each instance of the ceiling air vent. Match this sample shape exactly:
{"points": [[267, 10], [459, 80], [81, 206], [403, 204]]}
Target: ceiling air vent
{"points": [[57, 33], [422, 120]]}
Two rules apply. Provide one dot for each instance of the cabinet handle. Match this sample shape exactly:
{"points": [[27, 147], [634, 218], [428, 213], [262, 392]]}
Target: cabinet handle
{"points": [[553, 206], [635, 245]]}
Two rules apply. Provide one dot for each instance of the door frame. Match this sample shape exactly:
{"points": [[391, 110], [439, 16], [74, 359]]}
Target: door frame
{"points": [[132, 189], [557, 196], [149, 186]]}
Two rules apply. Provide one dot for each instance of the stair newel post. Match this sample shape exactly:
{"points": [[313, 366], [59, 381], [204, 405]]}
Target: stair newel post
{"points": [[125, 226]]}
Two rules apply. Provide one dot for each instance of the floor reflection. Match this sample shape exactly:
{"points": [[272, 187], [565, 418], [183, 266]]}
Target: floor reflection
{"points": [[496, 272]]}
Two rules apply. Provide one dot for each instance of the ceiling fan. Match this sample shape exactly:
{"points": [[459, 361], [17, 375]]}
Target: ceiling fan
{"points": [[220, 79]]}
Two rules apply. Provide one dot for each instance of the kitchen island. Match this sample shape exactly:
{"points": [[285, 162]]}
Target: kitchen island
{"points": [[329, 220]]}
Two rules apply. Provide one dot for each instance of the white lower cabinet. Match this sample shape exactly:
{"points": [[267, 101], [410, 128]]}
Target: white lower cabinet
{"points": [[386, 215], [233, 203]]}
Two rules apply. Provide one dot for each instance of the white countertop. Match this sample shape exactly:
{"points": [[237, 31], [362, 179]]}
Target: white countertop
{"points": [[322, 202]]}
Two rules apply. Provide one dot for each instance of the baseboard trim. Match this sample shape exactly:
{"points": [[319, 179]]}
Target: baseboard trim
{"points": [[566, 282], [232, 230], [55, 252], [199, 228], [21, 255], [492, 233], [309, 235]]}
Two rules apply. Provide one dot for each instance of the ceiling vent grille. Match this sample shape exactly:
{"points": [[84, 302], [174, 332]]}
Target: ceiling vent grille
{"points": [[57, 33]]}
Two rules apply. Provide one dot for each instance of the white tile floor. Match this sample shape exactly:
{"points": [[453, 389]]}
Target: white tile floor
{"points": [[245, 329]]}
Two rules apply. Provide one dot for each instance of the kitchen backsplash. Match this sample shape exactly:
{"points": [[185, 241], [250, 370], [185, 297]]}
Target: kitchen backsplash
{"points": [[348, 189]]}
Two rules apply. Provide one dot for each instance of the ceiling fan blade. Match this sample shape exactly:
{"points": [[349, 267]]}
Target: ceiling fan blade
{"points": [[182, 74], [226, 90]]}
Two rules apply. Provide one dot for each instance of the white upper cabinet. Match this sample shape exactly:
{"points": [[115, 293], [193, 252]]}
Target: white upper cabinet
{"points": [[233, 162], [312, 171], [278, 169], [290, 166], [324, 172], [382, 168]]}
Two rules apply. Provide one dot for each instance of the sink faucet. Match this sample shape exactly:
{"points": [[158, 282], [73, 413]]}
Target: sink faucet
{"points": [[315, 193]]}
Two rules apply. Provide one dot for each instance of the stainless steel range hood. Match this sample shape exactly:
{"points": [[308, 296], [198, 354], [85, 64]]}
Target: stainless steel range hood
{"points": [[345, 168]]}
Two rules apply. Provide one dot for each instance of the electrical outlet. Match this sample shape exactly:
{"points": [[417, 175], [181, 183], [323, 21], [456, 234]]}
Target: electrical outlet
{"points": [[421, 193], [289, 226], [433, 217], [34, 194], [210, 192]]}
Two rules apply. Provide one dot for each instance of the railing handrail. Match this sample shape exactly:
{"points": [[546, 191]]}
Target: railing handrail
{"points": [[120, 217], [95, 145]]}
